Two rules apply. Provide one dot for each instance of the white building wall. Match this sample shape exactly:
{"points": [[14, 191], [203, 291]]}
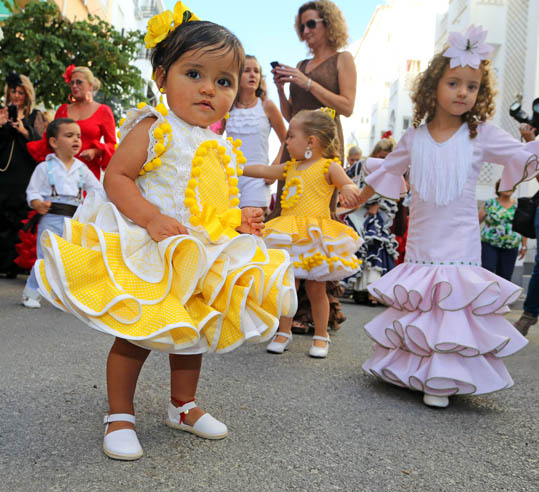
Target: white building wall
{"points": [[130, 15], [387, 58]]}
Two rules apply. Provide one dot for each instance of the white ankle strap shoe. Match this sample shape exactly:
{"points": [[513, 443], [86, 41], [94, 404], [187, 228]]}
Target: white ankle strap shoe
{"points": [[206, 426], [122, 444], [319, 352], [279, 347]]}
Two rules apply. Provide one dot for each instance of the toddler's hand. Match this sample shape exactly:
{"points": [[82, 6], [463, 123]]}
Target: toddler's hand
{"points": [[41, 207], [252, 221], [349, 196], [162, 226]]}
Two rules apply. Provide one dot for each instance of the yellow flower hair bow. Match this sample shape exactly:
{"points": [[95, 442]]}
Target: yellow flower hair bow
{"points": [[329, 111], [160, 25]]}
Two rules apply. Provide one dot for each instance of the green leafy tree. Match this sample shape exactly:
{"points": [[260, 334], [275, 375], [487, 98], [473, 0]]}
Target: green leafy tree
{"points": [[40, 43]]}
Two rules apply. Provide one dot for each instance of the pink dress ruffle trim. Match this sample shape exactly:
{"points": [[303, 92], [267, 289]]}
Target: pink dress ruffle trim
{"points": [[443, 333]]}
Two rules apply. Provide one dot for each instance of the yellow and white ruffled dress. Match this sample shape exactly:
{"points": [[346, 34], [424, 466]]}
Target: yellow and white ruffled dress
{"points": [[320, 248], [208, 291]]}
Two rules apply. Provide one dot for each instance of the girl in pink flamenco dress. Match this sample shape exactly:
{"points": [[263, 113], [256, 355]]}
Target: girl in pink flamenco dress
{"points": [[444, 332]]}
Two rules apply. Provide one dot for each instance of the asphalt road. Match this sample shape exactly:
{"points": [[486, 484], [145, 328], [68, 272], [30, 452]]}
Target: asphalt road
{"points": [[295, 423]]}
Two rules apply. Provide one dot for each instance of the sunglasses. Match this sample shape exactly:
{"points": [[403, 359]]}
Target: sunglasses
{"points": [[311, 24]]}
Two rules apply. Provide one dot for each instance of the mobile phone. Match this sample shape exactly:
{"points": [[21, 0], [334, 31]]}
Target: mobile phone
{"points": [[274, 64], [12, 112]]}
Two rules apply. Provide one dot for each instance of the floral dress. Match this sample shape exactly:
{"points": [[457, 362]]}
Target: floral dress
{"points": [[498, 230]]}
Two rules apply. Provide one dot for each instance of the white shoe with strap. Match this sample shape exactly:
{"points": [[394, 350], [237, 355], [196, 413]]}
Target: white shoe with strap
{"points": [[319, 352], [30, 298], [279, 347], [122, 444], [206, 426]]}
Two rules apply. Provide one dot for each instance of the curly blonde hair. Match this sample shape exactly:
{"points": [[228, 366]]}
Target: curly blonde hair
{"points": [[426, 85], [337, 31], [319, 124]]}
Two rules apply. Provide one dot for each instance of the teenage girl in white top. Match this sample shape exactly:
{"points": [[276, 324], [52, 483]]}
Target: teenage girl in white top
{"points": [[251, 119]]}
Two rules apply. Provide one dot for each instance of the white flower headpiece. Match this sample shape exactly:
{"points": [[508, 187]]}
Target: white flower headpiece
{"points": [[469, 49]]}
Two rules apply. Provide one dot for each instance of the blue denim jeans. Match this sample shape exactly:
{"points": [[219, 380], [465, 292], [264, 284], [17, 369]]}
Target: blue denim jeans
{"points": [[531, 304], [500, 261]]}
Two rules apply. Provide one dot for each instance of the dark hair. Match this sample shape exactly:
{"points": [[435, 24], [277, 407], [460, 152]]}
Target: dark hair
{"points": [[196, 35], [497, 187], [53, 127]]}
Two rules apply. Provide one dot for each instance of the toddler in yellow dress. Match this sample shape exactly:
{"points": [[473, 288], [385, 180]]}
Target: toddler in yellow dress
{"points": [[158, 262], [321, 249]]}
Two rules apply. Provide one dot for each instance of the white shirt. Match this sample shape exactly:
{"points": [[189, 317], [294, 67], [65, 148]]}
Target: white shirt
{"points": [[66, 182]]}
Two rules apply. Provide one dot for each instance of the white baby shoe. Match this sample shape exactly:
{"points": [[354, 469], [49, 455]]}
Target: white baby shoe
{"points": [[30, 298], [122, 444], [206, 426], [435, 401]]}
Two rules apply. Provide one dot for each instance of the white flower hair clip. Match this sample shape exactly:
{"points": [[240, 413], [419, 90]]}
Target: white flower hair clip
{"points": [[469, 49]]}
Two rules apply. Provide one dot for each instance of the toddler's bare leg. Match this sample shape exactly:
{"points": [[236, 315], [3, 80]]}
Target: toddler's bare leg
{"points": [[316, 291], [123, 368], [184, 374]]}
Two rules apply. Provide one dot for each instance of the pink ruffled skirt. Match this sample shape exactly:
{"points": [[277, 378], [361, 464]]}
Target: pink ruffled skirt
{"points": [[444, 332]]}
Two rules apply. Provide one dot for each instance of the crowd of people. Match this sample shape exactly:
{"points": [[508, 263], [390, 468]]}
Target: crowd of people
{"points": [[168, 250]]}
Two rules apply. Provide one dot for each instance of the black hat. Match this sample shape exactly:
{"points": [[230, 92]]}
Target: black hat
{"points": [[13, 80]]}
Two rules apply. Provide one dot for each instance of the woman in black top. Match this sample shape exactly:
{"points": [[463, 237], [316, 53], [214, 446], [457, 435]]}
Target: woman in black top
{"points": [[19, 123]]}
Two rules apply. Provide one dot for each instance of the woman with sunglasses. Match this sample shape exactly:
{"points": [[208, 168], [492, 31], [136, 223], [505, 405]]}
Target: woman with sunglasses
{"points": [[95, 120], [328, 79]]}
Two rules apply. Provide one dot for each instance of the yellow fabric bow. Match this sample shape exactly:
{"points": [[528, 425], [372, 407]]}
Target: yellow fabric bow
{"points": [[160, 25], [329, 111], [183, 14], [217, 225]]}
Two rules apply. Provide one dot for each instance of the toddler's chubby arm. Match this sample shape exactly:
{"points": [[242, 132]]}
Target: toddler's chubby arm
{"points": [[120, 185], [262, 171], [348, 190]]}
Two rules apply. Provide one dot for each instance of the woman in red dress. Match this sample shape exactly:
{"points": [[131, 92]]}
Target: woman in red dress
{"points": [[95, 120]]}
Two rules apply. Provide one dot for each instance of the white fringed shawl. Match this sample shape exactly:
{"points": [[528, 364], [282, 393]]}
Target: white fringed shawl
{"points": [[439, 171]]}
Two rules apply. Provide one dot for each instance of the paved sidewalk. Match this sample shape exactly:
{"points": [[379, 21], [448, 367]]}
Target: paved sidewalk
{"points": [[295, 423]]}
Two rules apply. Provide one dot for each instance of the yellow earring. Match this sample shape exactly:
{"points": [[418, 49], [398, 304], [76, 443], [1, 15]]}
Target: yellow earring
{"points": [[227, 115], [161, 90]]}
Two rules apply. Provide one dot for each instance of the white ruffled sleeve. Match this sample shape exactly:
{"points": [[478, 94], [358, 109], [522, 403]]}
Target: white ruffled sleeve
{"points": [[134, 117], [385, 176], [520, 160]]}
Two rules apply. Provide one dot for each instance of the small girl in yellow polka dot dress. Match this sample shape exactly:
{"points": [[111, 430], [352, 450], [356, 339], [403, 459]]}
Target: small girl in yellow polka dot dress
{"points": [[321, 248], [158, 262]]}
